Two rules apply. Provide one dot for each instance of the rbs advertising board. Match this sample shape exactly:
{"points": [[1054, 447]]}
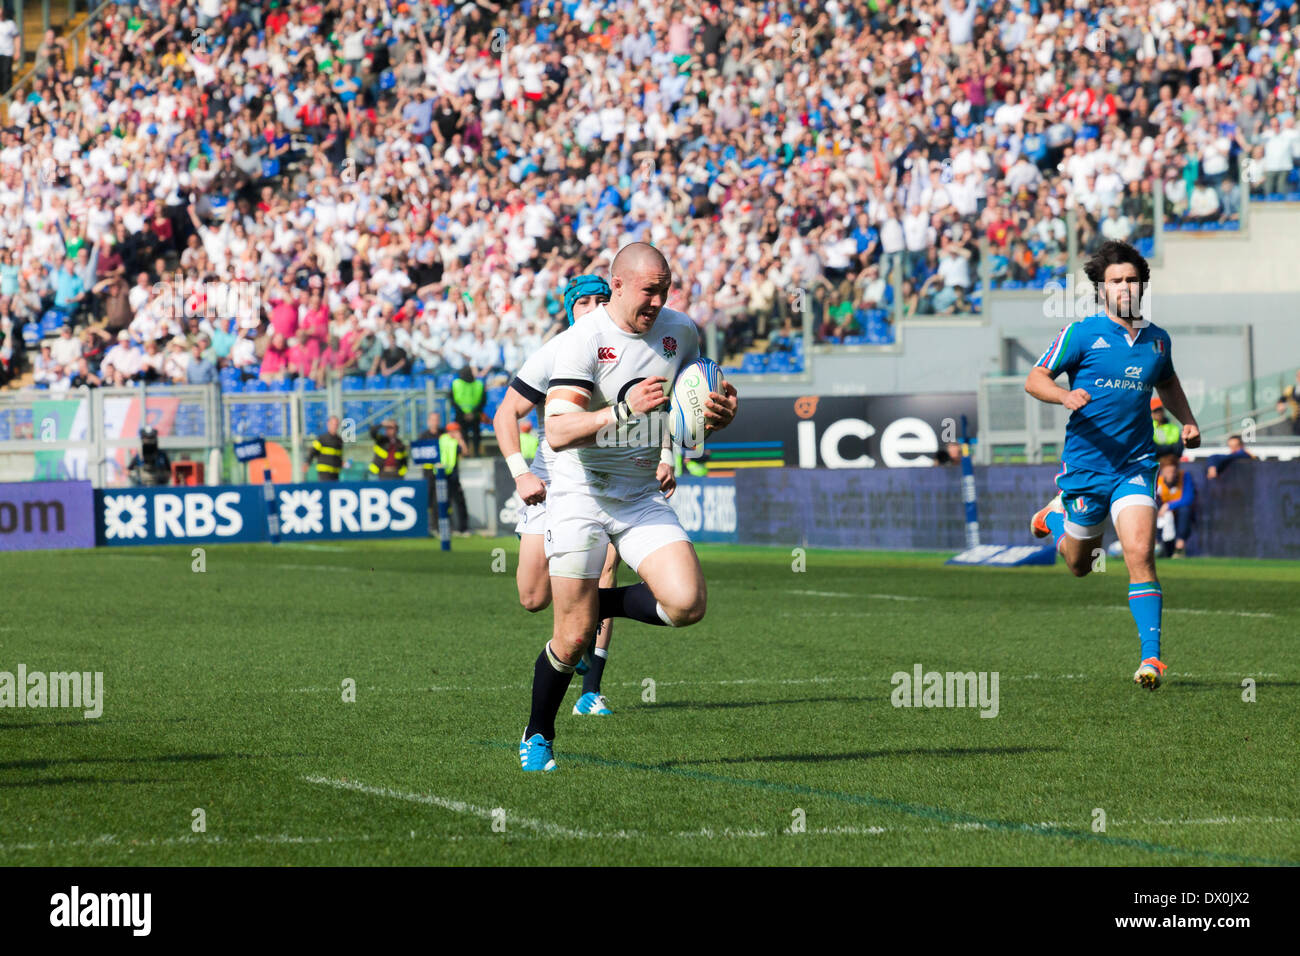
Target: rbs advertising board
{"points": [[307, 512]]}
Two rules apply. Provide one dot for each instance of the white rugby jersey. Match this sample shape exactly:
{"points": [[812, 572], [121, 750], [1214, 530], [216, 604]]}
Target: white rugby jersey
{"points": [[531, 381], [598, 357]]}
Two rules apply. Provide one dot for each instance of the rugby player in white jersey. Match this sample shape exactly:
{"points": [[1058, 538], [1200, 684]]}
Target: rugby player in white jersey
{"points": [[610, 475], [582, 294]]}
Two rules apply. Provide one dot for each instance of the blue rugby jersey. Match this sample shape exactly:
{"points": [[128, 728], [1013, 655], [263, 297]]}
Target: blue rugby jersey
{"points": [[1113, 432]]}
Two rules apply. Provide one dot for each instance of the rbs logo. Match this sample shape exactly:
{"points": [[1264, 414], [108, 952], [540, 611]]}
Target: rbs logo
{"points": [[168, 515]]}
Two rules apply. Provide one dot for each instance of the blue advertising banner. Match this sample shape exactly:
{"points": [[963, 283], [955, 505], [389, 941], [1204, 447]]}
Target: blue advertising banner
{"points": [[180, 515], [39, 515], [424, 451], [353, 509], [250, 450], [1251, 510], [706, 508], [216, 515]]}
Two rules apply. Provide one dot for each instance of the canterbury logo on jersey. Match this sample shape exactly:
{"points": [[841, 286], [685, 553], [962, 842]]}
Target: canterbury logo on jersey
{"points": [[605, 353], [1100, 343]]}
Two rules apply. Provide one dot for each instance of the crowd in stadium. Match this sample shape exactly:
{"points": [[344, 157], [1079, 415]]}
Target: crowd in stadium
{"points": [[406, 186]]}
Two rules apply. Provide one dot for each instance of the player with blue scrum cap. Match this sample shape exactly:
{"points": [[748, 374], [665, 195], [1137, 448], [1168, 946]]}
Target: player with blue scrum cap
{"points": [[1113, 359], [582, 294], [610, 479]]}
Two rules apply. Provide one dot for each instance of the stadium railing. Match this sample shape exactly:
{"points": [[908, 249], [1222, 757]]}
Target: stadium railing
{"points": [[1247, 408], [23, 74], [82, 433]]}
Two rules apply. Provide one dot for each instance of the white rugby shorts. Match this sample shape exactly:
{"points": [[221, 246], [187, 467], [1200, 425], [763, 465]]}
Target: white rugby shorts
{"points": [[578, 526], [532, 520]]}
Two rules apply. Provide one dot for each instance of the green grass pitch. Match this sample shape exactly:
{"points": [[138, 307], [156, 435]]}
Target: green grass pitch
{"points": [[223, 693]]}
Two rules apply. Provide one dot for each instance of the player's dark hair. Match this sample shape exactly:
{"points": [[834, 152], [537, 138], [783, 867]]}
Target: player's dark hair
{"points": [[1113, 253], [1238, 437]]}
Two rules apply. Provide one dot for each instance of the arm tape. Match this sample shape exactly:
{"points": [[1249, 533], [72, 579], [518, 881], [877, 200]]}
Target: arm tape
{"points": [[559, 406]]}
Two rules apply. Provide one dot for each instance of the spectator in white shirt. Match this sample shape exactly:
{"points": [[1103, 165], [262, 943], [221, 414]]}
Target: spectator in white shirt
{"points": [[66, 349], [122, 362]]}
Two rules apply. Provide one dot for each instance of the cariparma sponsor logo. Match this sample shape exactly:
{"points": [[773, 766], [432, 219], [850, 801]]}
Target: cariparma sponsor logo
{"points": [[1123, 384]]}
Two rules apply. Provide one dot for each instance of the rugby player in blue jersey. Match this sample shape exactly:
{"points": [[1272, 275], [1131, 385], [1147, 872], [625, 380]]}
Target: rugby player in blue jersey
{"points": [[1113, 359]]}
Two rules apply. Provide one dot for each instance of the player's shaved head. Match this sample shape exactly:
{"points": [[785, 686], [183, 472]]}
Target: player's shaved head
{"points": [[639, 282], [638, 259]]}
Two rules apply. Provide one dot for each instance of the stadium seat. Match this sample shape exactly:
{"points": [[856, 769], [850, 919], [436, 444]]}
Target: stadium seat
{"points": [[353, 383], [402, 382], [257, 385], [284, 385], [304, 384], [375, 383], [31, 335], [444, 381]]}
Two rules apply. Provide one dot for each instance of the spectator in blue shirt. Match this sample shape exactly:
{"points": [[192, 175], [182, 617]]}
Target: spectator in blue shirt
{"points": [[69, 290], [1218, 464], [200, 371]]}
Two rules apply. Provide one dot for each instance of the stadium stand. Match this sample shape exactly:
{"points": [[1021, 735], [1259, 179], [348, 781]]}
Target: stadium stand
{"points": [[376, 182]]}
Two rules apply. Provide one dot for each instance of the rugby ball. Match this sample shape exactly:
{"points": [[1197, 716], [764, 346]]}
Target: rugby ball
{"points": [[686, 422]]}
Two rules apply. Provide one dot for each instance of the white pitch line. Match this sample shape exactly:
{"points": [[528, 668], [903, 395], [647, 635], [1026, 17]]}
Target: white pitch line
{"points": [[131, 843], [781, 681], [455, 806], [315, 567], [1208, 822], [1180, 610], [547, 828], [847, 594]]}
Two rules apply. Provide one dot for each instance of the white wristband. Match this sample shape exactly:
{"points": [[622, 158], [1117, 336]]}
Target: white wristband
{"points": [[516, 464], [668, 457]]}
